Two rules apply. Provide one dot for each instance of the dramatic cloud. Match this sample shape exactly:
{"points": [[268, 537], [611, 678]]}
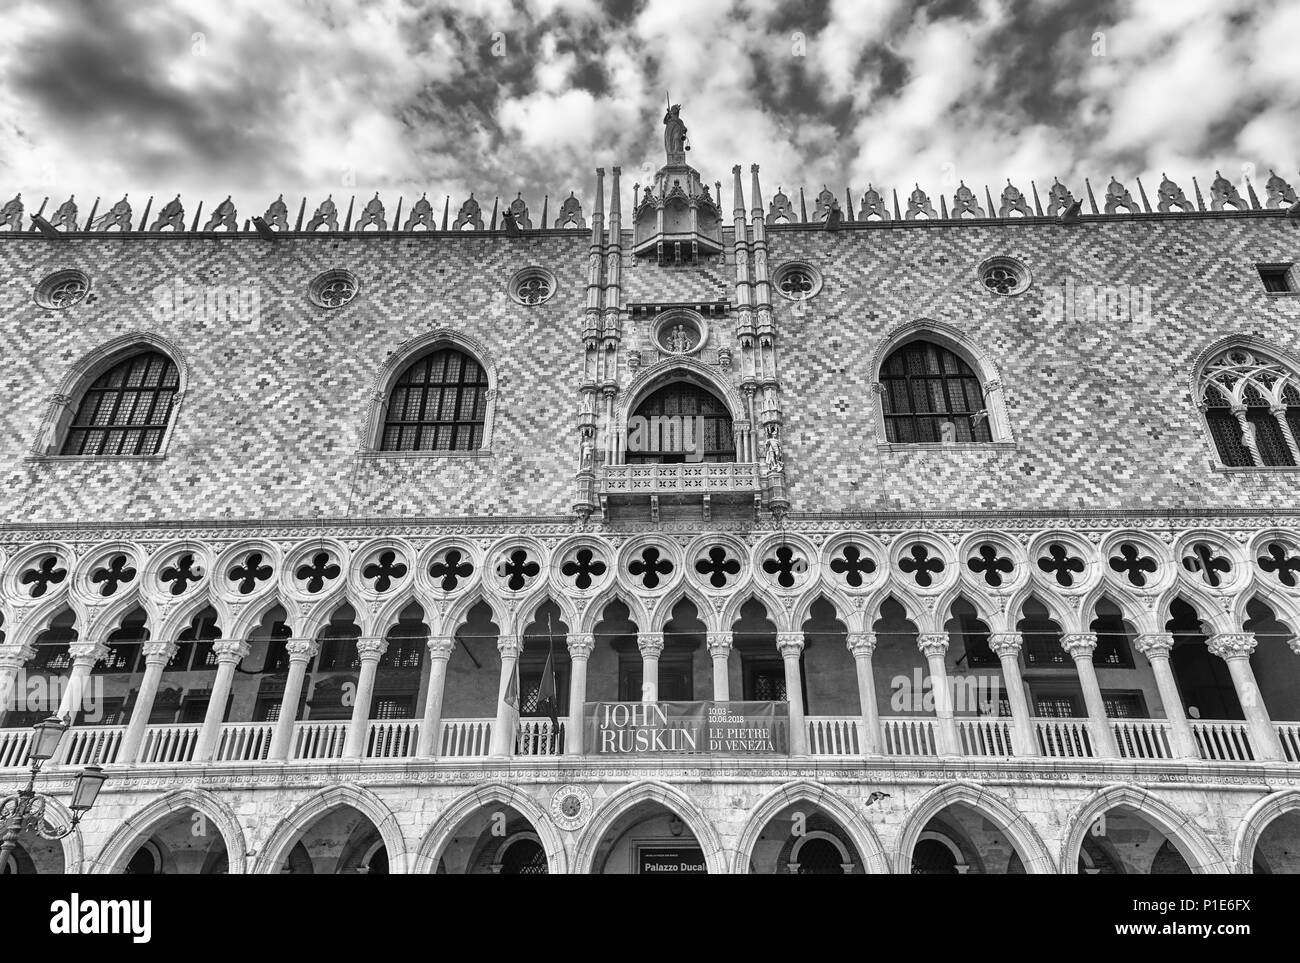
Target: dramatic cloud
{"points": [[402, 97]]}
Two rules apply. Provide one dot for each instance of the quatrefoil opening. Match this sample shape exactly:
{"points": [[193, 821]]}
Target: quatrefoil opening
{"points": [[1059, 562], [853, 563], [921, 565], [318, 571]]}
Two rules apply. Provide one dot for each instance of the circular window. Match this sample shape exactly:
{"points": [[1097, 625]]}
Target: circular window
{"points": [[333, 289], [62, 289], [532, 285], [1004, 275], [797, 281]]}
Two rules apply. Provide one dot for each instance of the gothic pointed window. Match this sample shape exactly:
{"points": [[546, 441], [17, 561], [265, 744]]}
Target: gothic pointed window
{"points": [[680, 422], [1252, 408], [126, 410], [931, 395], [438, 404]]}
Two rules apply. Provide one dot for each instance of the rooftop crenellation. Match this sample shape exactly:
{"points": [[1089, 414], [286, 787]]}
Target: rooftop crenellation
{"points": [[872, 206]]}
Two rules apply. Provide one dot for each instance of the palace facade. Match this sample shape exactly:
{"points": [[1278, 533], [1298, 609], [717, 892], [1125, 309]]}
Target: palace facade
{"points": [[968, 537]]}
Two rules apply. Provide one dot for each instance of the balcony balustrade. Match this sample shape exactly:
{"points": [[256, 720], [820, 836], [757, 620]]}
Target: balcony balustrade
{"points": [[839, 737]]}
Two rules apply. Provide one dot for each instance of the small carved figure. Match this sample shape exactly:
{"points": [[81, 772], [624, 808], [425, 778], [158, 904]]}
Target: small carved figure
{"points": [[679, 341], [947, 432], [772, 460], [587, 455], [11, 215]]}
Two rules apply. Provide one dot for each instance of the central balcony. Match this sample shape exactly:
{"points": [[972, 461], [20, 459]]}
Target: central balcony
{"points": [[693, 483], [831, 737]]}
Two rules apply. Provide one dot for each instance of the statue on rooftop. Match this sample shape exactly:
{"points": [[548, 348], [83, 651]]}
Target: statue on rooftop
{"points": [[675, 135]]}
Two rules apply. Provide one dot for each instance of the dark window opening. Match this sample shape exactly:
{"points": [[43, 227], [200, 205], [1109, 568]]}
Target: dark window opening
{"points": [[925, 387], [126, 410], [1276, 278], [681, 422], [438, 404]]}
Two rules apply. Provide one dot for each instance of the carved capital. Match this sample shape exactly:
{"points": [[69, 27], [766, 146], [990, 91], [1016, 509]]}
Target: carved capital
{"points": [[158, 653], [651, 644], [230, 651], [861, 644], [789, 644], [14, 656], [508, 646], [1154, 645], [581, 645], [87, 653], [1232, 645], [371, 650], [719, 644], [440, 647], [1006, 645], [301, 650], [932, 644], [1080, 645]]}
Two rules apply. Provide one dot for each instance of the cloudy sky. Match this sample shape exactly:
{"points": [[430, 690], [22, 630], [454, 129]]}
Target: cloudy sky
{"points": [[259, 97]]}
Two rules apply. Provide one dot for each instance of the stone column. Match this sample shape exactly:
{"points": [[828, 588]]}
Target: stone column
{"points": [[934, 646], [1156, 647], [863, 645], [790, 645], [84, 656], [229, 653], [369, 651], [440, 647], [1007, 645], [300, 652], [1235, 649], [719, 644], [503, 732], [1081, 645], [12, 660], [651, 645], [580, 649], [156, 657]]}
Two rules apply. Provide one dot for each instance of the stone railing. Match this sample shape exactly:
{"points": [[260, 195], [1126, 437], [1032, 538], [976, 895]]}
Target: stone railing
{"points": [[685, 479], [839, 737]]}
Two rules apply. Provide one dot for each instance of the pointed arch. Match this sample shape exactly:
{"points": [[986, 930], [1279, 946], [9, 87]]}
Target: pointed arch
{"points": [[802, 611], [408, 353], [979, 602], [865, 840], [776, 612], [292, 827], [678, 368], [527, 612], [173, 618], [961, 344], [139, 826], [252, 615], [684, 591], [1285, 609], [40, 618], [1138, 619], [1209, 609], [910, 604], [1256, 821], [660, 793], [90, 366], [1181, 830], [462, 807], [458, 614], [1055, 610], [594, 613], [1028, 844]]}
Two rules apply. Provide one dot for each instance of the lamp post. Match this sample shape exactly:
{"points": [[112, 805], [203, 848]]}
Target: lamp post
{"points": [[24, 811]]}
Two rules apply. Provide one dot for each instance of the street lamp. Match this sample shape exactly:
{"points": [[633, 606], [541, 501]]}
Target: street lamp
{"points": [[24, 811]]}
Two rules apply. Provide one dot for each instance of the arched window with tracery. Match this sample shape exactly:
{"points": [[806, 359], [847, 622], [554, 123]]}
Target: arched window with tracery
{"points": [[126, 410], [931, 395], [439, 403], [680, 422], [1252, 408]]}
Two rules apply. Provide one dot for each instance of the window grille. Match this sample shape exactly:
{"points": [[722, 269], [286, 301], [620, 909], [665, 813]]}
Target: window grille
{"points": [[126, 410], [438, 404], [925, 386]]}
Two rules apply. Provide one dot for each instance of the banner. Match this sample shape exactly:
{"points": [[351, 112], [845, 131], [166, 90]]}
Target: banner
{"points": [[675, 728]]}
